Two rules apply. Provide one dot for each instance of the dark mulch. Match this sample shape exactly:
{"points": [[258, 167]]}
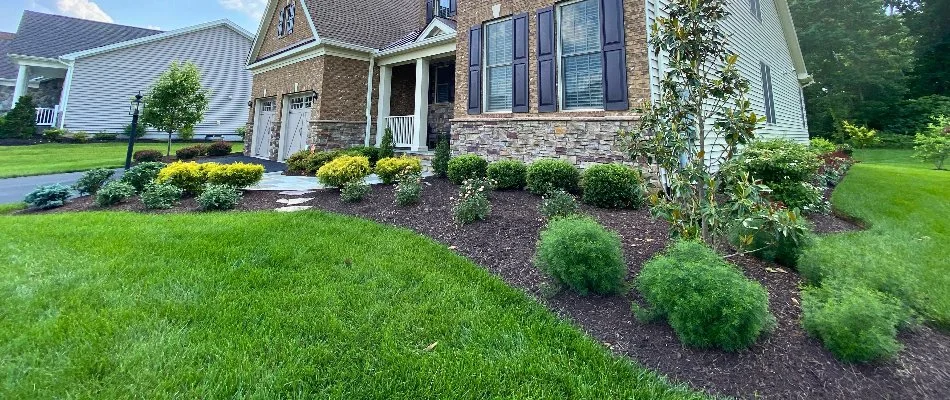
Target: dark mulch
{"points": [[786, 364]]}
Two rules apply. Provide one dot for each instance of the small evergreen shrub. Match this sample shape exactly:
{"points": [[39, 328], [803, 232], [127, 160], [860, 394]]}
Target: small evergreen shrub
{"points": [[508, 174], [219, 148], [440, 162], [855, 323], [54, 135], [188, 176], [547, 175], [389, 168], [20, 122], [147, 156], [308, 163], [190, 153], [80, 137], [217, 197], [558, 204], [408, 188], [386, 145], [161, 196], [473, 204], [465, 167], [142, 174], [354, 192], [48, 196], [371, 153], [139, 130], [708, 302], [582, 255], [238, 175], [92, 180], [613, 186], [344, 169], [114, 193], [105, 137]]}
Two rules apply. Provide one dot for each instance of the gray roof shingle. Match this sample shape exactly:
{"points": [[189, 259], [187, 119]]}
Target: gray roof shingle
{"points": [[47, 35], [7, 69], [370, 23]]}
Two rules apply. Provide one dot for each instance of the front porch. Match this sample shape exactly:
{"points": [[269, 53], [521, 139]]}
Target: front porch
{"points": [[45, 80]]}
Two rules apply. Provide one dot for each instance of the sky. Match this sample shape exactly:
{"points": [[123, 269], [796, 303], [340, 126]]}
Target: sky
{"points": [[156, 14]]}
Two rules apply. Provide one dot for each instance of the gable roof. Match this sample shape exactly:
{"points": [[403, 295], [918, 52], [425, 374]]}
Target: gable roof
{"points": [[50, 36], [369, 23], [7, 69], [158, 37]]}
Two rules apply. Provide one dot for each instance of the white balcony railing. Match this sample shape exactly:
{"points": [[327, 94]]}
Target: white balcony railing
{"points": [[403, 129], [46, 116]]}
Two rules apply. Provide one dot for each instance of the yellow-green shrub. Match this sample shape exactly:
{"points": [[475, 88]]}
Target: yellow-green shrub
{"points": [[389, 168], [344, 169], [239, 175], [187, 176]]}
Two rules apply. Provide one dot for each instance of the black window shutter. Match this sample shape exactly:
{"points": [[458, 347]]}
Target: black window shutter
{"points": [[453, 7], [767, 95], [475, 70], [547, 66], [614, 56], [519, 76], [430, 10]]}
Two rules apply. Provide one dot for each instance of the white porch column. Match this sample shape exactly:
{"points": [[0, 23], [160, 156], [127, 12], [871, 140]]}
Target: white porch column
{"points": [[421, 119], [382, 108], [22, 79]]}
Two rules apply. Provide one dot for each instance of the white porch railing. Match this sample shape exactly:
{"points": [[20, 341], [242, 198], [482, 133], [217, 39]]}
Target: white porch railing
{"points": [[403, 129], [46, 116]]}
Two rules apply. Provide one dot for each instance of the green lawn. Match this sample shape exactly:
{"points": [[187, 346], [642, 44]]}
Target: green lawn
{"points": [[56, 158], [906, 250], [267, 305]]}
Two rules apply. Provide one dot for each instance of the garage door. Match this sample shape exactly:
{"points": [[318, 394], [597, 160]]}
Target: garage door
{"points": [[298, 125], [263, 132]]}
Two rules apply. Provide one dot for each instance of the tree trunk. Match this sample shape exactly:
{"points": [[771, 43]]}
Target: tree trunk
{"points": [[168, 153]]}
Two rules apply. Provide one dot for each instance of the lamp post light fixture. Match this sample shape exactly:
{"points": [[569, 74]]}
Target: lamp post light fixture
{"points": [[134, 111]]}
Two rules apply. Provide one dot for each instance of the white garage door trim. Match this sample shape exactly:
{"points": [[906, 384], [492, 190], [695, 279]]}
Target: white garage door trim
{"points": [[297, 126], [263, 128]]}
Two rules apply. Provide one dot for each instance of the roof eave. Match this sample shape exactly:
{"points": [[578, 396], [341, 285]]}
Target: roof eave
{"points": [[791, 40], [157, 37]]}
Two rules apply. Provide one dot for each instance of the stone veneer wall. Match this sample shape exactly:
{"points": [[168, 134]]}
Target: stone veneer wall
{"points": [[330, 135], [6, 98], [49, 92], [440, 117], [580, 141]]}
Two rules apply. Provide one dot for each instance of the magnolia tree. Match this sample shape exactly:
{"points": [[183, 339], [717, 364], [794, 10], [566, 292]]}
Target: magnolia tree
{"points": [[696, 124], [176, 102]]}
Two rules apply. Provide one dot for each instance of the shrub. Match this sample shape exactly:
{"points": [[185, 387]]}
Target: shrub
{"points": [[354, 192], [241, 131], [142, 175], [218, 148], [781, 237], [582, 255], [307, 162], [779, 160], [386, 146], [440, 162], [859, 136], [934, 144], [822, 146], [408, 188], [472, 204], [344, 169], [219, 197], [54, 135], [147, 156], [105, 137], [465, 167], [558, 204], [161, 196], [372, 153], [139, 130], [188, 176], [238, 175], [508, 174], [114, 193], [92, 180], [389, 168], [547, 175], [613, 186], [855, 323], [799, 195], [20, 122], [188, 153], [80, 137], [708, 302], [48, 196]]}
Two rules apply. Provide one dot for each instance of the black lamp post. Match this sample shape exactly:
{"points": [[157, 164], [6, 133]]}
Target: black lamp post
{"points": [[134, 110]]}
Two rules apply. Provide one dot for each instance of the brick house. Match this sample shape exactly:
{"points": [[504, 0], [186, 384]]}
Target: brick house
{"points": [[535, 78]]}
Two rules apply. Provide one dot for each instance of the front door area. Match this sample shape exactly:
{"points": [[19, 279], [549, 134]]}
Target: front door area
{"points": [[263, 128], [297, 126]]}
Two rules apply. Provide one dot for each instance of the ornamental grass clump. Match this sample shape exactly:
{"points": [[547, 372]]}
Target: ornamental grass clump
{"points": [[92, 180], [142, 175], [465, 167], [344, 169], [508, 174], [161, 196], [408, 187], [48, 196], [558, 204], [708, 302], [613, 186], [544, 176], [473, 204], [389, 168], [113, 193], [216, 197], [582, 255]]}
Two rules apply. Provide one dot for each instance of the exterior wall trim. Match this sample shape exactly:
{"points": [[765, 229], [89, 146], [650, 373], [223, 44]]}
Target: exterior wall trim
{"points": [[157, 37], [304, 53]]}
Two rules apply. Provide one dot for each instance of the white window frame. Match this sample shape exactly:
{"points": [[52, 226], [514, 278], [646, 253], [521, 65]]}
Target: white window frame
{"points": [[485, 76], [268, 105], [287, 21], [560, 58], [301, 102], [756, 9]]}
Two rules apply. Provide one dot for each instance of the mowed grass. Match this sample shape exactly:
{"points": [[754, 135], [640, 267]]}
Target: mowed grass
{"points": [[11, 207], [55, 158], [267, 305], [906, 249]]}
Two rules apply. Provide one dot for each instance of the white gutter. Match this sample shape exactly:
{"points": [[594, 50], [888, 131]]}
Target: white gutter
{"points": [[369, 100]]}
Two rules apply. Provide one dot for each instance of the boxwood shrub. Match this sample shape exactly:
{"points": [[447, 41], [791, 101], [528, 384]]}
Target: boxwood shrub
{"points": [[613, 186], [344, 169], [389, 168], [708, 302], [582, 255], [546, 175], [508, 174], [465, 167]]}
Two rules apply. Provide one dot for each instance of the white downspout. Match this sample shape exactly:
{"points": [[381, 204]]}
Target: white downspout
{"points": [[369, 99]]}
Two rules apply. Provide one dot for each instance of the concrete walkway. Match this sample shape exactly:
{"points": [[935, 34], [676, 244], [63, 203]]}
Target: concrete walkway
{"points": [[279, 181]]}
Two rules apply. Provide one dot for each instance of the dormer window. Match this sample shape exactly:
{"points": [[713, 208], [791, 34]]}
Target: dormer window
{"points": [[285, 22]]}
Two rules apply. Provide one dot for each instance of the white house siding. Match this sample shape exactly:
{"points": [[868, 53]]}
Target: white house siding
{"points": [[103, 84], [754, 41]]}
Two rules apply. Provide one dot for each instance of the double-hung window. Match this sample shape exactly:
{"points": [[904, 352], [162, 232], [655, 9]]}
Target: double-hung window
{"points": [[756, 8], [499, 57], [581, 62]]}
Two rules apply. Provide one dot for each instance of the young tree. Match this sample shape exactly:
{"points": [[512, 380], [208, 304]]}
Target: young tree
{"points": [[20, 122], [177, 101], [934, 144], [698, 122]]}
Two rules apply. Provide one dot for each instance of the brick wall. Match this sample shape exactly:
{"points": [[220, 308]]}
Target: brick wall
{"points": [[344, 90], [273, 44], [402, 99]]}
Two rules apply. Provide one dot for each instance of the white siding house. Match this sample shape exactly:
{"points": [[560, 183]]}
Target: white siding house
{"points": [[102, 81]]}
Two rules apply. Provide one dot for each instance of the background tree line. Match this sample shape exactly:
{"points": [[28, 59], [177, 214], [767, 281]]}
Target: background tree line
{"points": [[881, 64]]}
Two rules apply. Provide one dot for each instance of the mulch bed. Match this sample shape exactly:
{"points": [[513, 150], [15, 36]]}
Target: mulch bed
{"points": [[785, 364]]}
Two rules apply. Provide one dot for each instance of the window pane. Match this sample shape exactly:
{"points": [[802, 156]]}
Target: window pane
{"points": [[581, 70], [499, 88], [580, 27], [499, 42], [583, 81]]}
